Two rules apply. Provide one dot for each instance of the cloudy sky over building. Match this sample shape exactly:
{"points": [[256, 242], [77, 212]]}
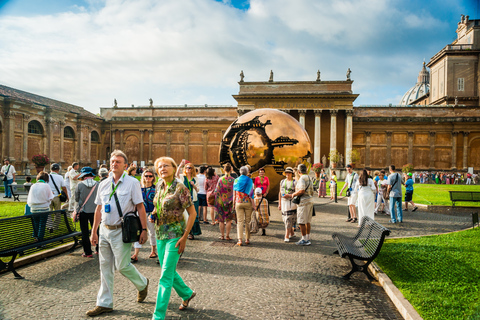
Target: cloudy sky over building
{"points": [[88, 52]]}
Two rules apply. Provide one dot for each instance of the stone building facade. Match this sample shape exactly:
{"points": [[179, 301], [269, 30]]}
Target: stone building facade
{"points": [[435, 128]]}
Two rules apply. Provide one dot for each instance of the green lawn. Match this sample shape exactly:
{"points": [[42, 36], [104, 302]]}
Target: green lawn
{"points": [[11, 209], [437, 274], [437, 194]]}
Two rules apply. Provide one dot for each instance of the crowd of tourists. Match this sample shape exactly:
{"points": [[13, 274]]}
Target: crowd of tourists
{"points": [[442, 177]]}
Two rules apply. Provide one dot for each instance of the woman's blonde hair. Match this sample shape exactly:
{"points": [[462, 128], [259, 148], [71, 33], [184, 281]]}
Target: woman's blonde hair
{"points": [[194, 172], [143, 179], [172, 162]]}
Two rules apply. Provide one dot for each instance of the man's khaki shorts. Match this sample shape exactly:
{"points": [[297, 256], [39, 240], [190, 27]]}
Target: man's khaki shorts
{"points": [[304, 213]]}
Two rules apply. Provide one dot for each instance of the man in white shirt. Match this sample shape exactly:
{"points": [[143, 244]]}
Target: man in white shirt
{"points": [[350, 182], [113, 252], [73, 177], [8, 175], [202, 196], [57, 185], [304, 188]]}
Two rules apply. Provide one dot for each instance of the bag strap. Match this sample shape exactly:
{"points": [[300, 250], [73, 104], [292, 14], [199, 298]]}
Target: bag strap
{"points": [[258, 207], [8, 169], [118, 205], [88, 197], [53, 180]]}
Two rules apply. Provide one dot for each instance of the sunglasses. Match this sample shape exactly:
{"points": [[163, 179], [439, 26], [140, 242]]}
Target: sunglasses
{"points": [[148, 176], [190, 168]]}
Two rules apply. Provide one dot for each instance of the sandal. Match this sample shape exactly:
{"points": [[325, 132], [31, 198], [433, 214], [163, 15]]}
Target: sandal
{"points": [[153, 255], [228, 238], [185, 303], [190, 237], [87, 255], [239, 243], [354, 220], [221, 238], [133, 259], [247, 242]]}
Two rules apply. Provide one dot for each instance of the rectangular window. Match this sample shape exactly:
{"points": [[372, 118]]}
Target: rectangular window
{"points": [[461, 84]]}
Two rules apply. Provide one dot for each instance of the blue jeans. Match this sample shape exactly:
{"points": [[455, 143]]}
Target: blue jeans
{"points": [[398, 202], [8, 191], [38, 223]]}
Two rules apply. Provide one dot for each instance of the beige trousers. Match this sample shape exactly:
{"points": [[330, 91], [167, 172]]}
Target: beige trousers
{"points": [[244, 215]]}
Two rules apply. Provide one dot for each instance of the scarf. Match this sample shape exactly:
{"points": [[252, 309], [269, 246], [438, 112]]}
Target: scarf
{"points": [[244, 184]]}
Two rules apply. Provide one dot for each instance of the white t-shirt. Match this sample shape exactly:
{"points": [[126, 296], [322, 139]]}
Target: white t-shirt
{"points": [[40, 196], [58, 180], [73, 183], [351, 183], [129, 194], [11, 171], [304, 183], [201, 183]]}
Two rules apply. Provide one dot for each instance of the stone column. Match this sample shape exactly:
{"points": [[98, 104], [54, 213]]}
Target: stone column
{"points": [[465, 150], [454, 149], [205, 146], [318, 135], [61, 123], [410, 147], [150, 146], [367, 148], [169, 142], [389, 147], [348, 135], [333, 129], [79, 139], [186, 140], [10, 150], [50, 122], [301, 117], [142, 131], [26, 118], [114, 133], [89, 146], [121, 139], [432, 150]]}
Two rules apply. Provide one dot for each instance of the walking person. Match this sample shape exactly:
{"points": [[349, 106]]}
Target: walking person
{"points": [[350, 182], [409, 192], [365, 189], [189, 179], [304, 188], [243, 199], [261, 210], [224, 202], [322, 187], [57, 185], [66, 180], [171, 199], [395, 192], [85, 195], [73, 175], [38, 200], [333, 184], [202, 195], [285, 204], [147, 182], [119, 192], [210, 185], [8, 173]]}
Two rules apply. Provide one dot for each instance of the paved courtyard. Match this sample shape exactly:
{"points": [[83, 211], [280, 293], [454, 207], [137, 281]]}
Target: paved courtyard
{"points": [[269, 279]]}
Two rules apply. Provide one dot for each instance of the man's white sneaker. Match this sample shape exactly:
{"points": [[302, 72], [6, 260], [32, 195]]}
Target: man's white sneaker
{"points": [[303, 243], [286, 240]]}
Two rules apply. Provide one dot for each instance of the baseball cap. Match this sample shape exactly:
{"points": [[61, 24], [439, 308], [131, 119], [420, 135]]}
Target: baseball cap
{"points": [[258, 190], [55, 166]]}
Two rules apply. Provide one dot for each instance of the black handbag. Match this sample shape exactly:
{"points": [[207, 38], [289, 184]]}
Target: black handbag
{"points": [[131, 225], [62, 195], [297, 199]]}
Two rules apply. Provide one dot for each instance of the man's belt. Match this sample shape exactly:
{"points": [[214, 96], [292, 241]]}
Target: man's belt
{"points": [[118, 226]]}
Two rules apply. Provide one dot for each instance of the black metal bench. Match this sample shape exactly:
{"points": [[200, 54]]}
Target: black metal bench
{"points": [[17, 235], [464, 196], [364, 246], [17, 191]]}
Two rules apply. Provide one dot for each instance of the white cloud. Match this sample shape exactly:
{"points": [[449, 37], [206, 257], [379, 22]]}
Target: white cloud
{"points": [[180, 52]]}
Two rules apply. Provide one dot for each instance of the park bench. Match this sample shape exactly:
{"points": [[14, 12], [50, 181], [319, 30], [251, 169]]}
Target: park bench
{"points": [[464, 196], [16, 236], [17, 191], [364, 246]]}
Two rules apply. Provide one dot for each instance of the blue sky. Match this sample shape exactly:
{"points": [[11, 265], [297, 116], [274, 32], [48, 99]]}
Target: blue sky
{"points": [[89, 52]]}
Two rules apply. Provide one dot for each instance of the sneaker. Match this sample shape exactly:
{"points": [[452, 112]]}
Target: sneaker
{"points": [[308, 243], [391, 221], [286, 239], [415, 209], [98, 310], [303, 243], [143, 294], [405, 209]]}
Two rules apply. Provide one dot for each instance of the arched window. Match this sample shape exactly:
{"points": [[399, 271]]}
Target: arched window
{"points": [[94, 136], [68, 133], [35, 127]]}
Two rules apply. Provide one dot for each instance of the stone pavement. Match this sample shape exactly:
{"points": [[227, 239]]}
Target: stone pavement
{"points": [[269, 279]]}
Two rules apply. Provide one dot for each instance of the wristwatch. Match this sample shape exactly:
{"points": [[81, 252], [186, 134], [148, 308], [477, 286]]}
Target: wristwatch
{"points": [[144, 229]]}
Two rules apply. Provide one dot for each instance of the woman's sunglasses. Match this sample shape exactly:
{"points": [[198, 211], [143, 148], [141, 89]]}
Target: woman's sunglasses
{"points": [[149, 176]]}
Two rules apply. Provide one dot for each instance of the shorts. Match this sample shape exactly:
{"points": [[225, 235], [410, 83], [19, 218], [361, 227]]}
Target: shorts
{"points": [[202, 200], [408, 196], [304, 213], [289, 218], [352, 200]]}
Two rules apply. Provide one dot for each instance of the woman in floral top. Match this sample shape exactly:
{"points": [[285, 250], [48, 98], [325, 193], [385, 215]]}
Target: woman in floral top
{"points": [[224, 201], [171, 229]]}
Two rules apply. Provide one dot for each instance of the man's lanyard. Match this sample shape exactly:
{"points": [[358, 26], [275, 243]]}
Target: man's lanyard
{"points": [[114, 187]]}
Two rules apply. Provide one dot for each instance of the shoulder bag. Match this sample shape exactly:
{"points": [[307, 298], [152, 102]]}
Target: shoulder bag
{"points": [[297, 199], [386, 194], [349, 190], [75, 213], [254, 222], [5, 176], [131, 225], [62, 195]]}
